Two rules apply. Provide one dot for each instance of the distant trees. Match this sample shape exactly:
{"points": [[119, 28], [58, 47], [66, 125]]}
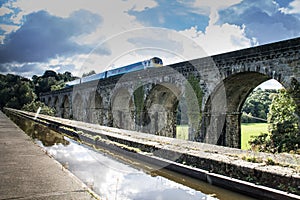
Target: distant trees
{"points": [[284, 135], [15, 91], [88, 73], [50, 81], [256, 106]]}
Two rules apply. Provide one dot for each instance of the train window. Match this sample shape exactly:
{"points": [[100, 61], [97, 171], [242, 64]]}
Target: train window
{"points": [[157, 60]]}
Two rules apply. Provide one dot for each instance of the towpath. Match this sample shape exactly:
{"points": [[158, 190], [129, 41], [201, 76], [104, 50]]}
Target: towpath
{"points": [[27, 172]]}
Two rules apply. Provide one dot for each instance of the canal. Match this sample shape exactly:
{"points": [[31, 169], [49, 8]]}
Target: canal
{"points": [[112, 177]]}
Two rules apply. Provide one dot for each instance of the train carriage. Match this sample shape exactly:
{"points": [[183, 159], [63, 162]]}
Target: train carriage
{"points": [[153, 62]]}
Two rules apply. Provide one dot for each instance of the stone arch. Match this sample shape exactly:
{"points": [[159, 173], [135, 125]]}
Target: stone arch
{"points": [[221, 123], [49, 103], [77, 107], [95, 108], [225, 127], [66, 107], [161, 110], [122, 108]]}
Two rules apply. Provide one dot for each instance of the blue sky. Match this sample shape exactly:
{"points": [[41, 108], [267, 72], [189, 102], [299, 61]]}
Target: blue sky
{"points": [[79, 36]]}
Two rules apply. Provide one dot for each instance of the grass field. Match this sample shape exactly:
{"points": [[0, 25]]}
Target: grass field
{"points": [[248, 130], [251, 129], [182, 132]]}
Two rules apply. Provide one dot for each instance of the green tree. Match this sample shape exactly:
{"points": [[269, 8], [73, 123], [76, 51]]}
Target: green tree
{"points": [[50, 81], [88, 73], [284, 127], [256, 106], [284, 133], [15, 91], [35, 105]]}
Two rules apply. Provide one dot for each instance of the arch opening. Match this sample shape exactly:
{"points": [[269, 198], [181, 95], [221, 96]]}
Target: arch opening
{"points": [[49, 103], [262, 116], [221, 122], [160, 112], [122, 108], [94, 108], [56, 105], [65, 107]]}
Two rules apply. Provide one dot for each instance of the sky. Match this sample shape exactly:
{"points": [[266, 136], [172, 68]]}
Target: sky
{"points": [[79, 36]]}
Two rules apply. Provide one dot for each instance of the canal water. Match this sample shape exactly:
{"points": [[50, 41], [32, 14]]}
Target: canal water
{"points": [[114, 179]]}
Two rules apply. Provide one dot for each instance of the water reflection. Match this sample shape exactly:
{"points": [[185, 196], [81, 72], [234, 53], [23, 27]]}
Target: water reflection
{"points": [[47, 136], [114, 179]]}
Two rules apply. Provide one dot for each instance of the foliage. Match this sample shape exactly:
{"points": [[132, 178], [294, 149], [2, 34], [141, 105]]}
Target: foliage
{"points": [[59, 85], [193, 89], [15, 91], [35, 105], [138, 96], [256, 106], [50, 81], [283, 129], [88, 73]]}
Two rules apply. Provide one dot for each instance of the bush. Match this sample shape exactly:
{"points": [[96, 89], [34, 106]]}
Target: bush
{"points": [[35, 105], [284, 130]]}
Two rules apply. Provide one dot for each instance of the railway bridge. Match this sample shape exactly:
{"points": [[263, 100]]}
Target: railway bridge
{"points": [[207, 94]]}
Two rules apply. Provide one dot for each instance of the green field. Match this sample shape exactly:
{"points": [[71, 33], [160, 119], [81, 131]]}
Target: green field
{"points": [[248, 130], [251, 129], [182, 132]]}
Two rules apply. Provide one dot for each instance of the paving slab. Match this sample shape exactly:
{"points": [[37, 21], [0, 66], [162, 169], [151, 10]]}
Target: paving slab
{"points": [[27, 172]]}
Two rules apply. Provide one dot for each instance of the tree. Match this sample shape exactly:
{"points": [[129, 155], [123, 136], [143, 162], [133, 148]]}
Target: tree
{"points": [[284, 127], [257, 105], [35, 105], [284, 133], [51, 80], [15, 91], [88, 73]]}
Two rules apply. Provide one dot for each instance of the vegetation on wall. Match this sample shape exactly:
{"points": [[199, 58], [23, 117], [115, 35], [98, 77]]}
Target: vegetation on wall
{"points": [[138, 96], [193, 90]]}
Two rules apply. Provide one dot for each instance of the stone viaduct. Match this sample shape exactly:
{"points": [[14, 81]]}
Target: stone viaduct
{"points": [[206, 93]]}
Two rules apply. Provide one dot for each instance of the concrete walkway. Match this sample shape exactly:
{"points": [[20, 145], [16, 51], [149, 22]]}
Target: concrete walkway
{"points": [[27, 172]]}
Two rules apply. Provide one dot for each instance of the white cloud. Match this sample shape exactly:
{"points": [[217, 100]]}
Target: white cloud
{"points": [[270, 84], [114, 13], [8, 28], [293, 8], [4, 11], [211, 7], [220, 38], [142, 4]]}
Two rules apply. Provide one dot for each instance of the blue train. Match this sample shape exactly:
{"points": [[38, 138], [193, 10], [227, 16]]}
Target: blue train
{"points": [[153, 62]]}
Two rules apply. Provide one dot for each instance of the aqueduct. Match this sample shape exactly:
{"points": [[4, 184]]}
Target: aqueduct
{"points": [[209, 92]]}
